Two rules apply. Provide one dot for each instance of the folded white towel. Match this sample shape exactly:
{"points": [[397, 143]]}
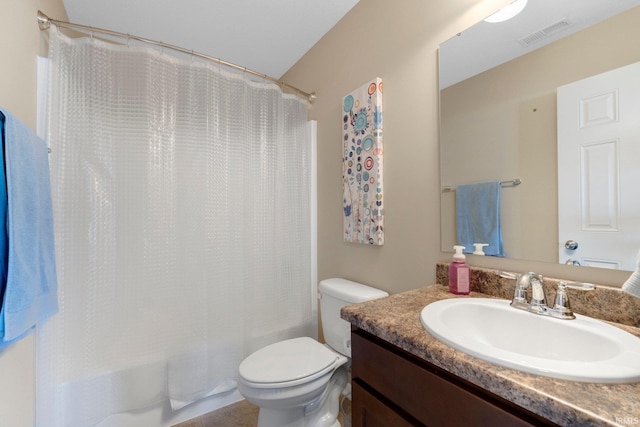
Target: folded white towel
{"points": [[632, 285]]}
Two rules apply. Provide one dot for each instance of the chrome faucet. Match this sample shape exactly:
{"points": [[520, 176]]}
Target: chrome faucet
{"points": [[538, 302]]}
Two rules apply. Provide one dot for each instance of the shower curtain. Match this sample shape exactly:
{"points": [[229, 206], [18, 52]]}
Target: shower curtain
{"points": [[182, 226]]}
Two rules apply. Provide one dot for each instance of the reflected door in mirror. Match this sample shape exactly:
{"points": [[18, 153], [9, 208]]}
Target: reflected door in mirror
{"points": [[599, 169]]}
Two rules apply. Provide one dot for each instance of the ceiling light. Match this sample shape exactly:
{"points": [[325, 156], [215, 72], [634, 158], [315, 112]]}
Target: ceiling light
{"points": [[507, 12]]}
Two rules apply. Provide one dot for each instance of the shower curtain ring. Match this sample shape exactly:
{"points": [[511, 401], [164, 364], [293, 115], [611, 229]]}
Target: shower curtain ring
{"points": [[192, 57], [128, 40]]}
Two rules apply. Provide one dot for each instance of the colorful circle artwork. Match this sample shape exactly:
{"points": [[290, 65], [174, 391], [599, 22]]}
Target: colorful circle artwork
{"points": [[348, 103], [363, 217], [360, 121], [367, 144], [368, 163]]}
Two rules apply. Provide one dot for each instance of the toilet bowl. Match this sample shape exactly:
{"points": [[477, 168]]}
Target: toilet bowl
{"points": [[298, 382], [290, 382]]}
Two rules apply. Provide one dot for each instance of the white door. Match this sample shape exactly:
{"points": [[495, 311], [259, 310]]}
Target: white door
{"points": [[599, 169]]}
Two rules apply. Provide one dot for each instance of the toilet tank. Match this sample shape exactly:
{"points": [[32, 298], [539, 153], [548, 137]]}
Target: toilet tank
{"points": [[335, 294]]}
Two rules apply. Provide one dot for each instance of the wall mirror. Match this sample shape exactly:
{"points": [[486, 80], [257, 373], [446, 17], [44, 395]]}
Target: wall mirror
{"points": [[499, 122]]}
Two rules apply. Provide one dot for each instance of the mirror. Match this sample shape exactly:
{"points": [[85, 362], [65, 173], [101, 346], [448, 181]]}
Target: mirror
{"points": [[498, 119]]}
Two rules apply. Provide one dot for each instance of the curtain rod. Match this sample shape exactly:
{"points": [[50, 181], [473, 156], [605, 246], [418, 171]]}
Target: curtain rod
{"points": [[510, 183], [44, 22]]}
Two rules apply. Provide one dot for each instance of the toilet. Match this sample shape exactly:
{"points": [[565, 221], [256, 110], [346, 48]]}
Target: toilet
{"points": [[298, 382]]}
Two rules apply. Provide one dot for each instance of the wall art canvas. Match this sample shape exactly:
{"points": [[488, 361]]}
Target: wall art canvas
{"points": [[362, 195]]}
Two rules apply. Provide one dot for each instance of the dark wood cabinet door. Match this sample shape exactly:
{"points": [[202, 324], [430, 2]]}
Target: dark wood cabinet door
{"points": [[368, 411], [389, 379]]}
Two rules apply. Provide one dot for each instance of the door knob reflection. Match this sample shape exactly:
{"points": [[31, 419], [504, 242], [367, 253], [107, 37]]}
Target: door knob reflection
{"points": [[572, 245]]}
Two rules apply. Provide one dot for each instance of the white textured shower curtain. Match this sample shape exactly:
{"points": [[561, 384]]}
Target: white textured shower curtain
{"points": [[182, 225]]}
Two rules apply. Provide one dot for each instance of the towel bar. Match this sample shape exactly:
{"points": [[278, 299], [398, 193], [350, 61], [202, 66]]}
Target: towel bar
{"points": [[509, 183]]}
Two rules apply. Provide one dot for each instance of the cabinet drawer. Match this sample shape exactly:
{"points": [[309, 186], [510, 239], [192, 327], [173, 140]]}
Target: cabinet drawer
{"points": [[369, 411], [431, 395]]}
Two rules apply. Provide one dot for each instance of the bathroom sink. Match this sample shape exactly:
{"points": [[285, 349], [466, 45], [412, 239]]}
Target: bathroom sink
{"points": [[583, 349]]}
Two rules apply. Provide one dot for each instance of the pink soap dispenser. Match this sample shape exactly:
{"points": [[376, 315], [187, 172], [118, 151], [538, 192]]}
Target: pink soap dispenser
{"points": [[459, 273]]}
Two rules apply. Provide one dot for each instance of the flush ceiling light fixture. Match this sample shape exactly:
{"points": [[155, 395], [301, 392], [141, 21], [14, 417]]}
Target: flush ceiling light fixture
{"points": [[507, 12]]}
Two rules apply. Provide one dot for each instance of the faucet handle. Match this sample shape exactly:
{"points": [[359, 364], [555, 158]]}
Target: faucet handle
{"points": [[520, 293], [561, 307], [508, 275], [580, 286]]}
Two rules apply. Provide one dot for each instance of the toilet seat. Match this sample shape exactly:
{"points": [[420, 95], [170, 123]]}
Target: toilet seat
{"points": [[288, 363]]}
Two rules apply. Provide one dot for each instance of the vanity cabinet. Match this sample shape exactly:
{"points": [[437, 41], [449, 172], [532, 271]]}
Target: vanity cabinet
{"points": [[392, 388]]}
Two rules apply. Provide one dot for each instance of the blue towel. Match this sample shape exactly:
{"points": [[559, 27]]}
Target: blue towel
{"points": [[478, 217], [30, 294], [4, 240]]}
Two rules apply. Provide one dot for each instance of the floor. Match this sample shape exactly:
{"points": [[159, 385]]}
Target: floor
{"points": [[245, 414], [240, 414]]}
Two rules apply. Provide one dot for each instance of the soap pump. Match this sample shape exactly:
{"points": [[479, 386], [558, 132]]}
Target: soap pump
{"points": [[479, 248], [459, 273]]}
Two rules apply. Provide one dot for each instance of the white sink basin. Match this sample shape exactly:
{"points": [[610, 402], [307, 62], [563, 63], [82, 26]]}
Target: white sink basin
{"points": [[583, 349]]}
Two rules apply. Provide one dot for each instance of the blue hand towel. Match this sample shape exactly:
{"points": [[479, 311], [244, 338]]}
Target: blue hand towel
{"points": [[30, 294], [478, 217], [4, 241]]}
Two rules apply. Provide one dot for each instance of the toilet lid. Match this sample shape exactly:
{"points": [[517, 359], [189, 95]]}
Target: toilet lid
{"points": [[286, 361]]}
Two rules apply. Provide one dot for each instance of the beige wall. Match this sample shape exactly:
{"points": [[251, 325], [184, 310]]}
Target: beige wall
{"points": [[509, 117], [397, 41], [20, 43]]}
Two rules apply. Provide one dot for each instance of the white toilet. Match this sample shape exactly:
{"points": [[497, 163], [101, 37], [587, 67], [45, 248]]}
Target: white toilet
{"points": [[297, 382]]}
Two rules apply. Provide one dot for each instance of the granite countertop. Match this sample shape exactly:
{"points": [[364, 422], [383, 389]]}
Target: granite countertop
{"points": [[396, 319]]}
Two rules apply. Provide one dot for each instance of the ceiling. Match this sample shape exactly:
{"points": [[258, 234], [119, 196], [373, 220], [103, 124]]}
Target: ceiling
{"points": [[268, 36], [487, 45]]}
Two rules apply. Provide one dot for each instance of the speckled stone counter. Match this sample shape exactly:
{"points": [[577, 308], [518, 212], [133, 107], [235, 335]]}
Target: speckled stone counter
{"points": [[396, 319], [606, 303]]}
